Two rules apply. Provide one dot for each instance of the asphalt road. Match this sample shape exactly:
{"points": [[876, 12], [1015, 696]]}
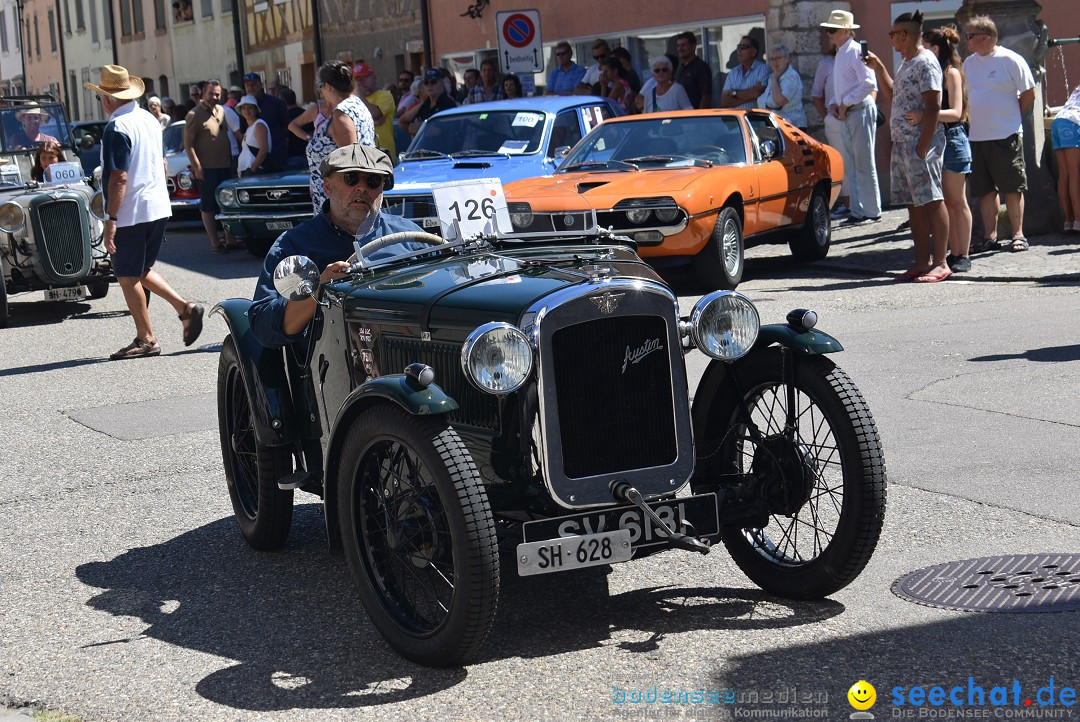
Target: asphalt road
{"points": [[128, 593]]}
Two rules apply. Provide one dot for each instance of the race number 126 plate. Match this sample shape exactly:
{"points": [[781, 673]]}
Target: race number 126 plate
{"points": [[573, 552]]}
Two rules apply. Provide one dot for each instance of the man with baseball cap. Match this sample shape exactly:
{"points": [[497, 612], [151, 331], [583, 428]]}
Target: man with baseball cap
{"points": [[380, 104], [354, 177], [137, 208]]}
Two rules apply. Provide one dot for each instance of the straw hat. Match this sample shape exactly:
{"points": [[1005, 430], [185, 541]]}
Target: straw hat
{"points": [[840, 19], [31, 111], [116, 83]]}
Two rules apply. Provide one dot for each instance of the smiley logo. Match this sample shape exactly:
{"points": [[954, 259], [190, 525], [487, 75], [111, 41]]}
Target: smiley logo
{"points": [[862, 695]]}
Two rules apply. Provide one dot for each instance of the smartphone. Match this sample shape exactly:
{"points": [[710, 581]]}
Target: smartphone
{"points": [[865, 49]]}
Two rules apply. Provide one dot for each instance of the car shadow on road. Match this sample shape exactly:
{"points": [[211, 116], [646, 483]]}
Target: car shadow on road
{"points": [[1047, 354], [300, 638]]}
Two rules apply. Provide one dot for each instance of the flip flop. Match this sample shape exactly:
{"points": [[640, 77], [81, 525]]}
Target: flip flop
{"points": [[908, 275], [933, 277]]}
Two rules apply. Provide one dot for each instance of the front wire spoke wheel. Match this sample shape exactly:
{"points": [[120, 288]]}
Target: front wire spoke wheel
{"points": [[418, 534], [821, 483]]}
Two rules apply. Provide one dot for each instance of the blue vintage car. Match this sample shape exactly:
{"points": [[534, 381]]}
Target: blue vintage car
{"points": [[504, 139]]}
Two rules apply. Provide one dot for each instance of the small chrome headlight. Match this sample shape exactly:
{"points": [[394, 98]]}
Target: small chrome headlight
{"points": [[638, 215], [724, 325], [243, 196], [666, 215], [520, 214], [185, 180], [226, 197], [12, 217], [97, 205], [497, 358]]}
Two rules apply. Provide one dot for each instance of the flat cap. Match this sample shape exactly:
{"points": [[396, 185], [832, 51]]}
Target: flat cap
{"points": [[357, 157]]}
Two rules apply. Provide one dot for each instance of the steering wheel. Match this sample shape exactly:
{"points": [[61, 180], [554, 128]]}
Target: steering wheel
{"points": [[380, 243], [710, 150]]}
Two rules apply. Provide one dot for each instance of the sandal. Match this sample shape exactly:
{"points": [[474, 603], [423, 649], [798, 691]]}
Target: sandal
{"points": [[1019, 243], [137, 349], [986, 244], [192, 320], [219, 248]]}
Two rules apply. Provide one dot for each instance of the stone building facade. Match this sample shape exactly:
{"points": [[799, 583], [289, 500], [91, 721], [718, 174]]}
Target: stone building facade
{"points": [[386, 34], [11, 43]]}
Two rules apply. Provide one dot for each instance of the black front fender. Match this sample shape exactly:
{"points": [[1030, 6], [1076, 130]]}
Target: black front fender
{"points": [[263, 371]]}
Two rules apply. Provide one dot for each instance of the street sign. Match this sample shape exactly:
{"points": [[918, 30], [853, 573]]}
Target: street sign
{"points": [[519, 41]]}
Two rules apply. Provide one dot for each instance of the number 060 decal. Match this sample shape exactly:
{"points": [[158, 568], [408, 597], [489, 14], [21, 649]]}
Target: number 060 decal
{"points": [[470, 207]]}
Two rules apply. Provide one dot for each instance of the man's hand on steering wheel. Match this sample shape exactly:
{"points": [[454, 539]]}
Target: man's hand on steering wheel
{"points": [[337, 269]]}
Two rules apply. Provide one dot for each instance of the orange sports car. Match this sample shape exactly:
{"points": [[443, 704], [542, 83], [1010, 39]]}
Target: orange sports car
{"points": [[692, 186]]}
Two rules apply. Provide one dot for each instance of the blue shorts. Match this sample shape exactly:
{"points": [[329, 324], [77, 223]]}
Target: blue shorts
{"points": [[137, 247], [1064, 134], [211, 179], [957, 150]]}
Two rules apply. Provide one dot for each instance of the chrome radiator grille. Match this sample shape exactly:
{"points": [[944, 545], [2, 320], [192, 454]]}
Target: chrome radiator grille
{"points": [[616, 410], [61, 233]]}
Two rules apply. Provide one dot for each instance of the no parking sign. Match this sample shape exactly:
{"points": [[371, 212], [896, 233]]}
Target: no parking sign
{"points": [[519, 41]]}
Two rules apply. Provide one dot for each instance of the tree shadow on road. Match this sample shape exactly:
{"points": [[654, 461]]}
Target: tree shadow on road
{"points": [[301, 639]]}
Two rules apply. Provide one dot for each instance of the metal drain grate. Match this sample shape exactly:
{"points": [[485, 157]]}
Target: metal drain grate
{"points": [[1020, 583]]}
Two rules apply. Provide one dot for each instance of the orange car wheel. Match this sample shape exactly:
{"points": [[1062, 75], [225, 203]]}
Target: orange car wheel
{"points": [[811, 242], [720, 263]]}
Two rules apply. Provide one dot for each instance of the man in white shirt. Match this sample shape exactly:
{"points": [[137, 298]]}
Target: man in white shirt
{"points": [[600, 52], [137, 208], [852, 102], [1001, 90]]}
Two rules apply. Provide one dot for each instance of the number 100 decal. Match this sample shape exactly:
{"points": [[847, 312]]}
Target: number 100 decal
{"points": [[467, 208]]}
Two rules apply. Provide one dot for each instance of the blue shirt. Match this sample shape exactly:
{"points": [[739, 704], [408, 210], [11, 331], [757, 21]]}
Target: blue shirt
{"points": [[322, 242], [564, 81], [739, 79]]}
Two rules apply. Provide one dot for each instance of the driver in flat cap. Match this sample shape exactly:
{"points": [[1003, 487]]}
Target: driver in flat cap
{"points": [[354, 177]]}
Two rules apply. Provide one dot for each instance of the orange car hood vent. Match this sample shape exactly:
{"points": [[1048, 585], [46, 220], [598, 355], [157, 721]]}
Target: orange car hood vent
{"points": [[586, 187]]}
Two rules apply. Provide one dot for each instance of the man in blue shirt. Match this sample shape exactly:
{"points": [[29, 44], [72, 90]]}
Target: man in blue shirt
{"points": [[565, 76], [747, 80], [276, 115], [354, 177]]}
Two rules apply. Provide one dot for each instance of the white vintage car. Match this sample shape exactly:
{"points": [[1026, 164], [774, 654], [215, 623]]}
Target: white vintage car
{"points": [[50, 229]]}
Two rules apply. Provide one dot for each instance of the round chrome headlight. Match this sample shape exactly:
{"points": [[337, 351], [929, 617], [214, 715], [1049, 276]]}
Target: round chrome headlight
{"points": [[243, 196], [724, 325], [666, 215], [497, 358], [185, 180], [97, 205], [12, 217], [638, 215], [226, 197]]}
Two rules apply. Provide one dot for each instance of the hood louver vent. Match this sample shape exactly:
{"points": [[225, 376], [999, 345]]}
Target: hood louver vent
{"points": [[586, 187]]}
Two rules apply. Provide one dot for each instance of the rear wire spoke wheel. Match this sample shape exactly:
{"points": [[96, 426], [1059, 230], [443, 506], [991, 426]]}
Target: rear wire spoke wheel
{"points": [[419, 535], [252, 470], [824, 484]]}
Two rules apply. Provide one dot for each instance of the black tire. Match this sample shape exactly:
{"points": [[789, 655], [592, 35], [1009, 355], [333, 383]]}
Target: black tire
{"points": [[98, 290], [811, 242], [418, 535], [258, 247], [720, 264], [842, 504], [3, 303], [252, 470]]}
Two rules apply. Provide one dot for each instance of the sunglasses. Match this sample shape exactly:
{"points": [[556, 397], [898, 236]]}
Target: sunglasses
{"points": [[661, 70], [431, 82], [897, 32], [969, 36], [352, 178], [743, 46], [832, 31], [562, 52], [598, 57]]}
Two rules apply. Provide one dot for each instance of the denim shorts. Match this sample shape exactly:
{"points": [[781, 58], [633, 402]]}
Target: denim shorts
{"points": [[957, 150], [1064, 134]]}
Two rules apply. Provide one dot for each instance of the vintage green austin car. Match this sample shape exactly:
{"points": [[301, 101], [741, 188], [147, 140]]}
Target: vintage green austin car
{"points": [[529, 394]]}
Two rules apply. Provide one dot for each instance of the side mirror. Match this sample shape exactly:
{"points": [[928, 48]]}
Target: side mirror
{"points": [[562, 151], [768, 149], [86, 142], [296, 278]]}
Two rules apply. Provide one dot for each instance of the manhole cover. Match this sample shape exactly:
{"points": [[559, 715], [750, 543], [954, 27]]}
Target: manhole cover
{"points": [[1020, 583]]}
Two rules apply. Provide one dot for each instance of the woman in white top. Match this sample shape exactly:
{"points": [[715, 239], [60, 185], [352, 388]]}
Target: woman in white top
{"points": [[257, 143], [661, 92], [153, 104]]}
